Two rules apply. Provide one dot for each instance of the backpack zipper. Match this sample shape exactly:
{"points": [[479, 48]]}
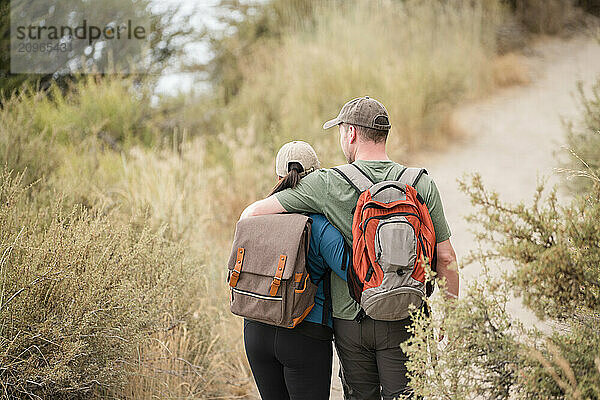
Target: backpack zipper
{"points": [[380, 217], [423, 247], [377, 206], [364, 225], [258, 296]]}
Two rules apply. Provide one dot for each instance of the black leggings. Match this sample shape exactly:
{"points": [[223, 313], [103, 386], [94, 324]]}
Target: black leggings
{"points": [[287, 364]]}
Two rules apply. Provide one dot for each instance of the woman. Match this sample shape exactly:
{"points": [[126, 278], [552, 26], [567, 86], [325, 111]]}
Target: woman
{"points": [[296, 363]]}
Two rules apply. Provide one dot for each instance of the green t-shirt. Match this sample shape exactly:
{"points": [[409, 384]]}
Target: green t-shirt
{"points": [[326, 192]]}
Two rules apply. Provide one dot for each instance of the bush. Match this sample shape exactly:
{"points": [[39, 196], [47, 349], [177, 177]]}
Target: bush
{"points": [[555, 258], [42, 133], [482, 357], [161, 206], [556, 261], [79, 294], [566, 365], [552, 248], [113, 110], [35, 154], [116, 111], [583, 138]]}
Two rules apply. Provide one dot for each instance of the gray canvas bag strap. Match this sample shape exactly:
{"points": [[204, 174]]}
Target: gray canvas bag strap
{"points": [[355, 177], [411, 176]]}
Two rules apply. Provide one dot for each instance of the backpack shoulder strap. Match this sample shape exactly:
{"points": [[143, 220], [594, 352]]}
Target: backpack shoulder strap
{"points": [[354, 176], [411, 176]]}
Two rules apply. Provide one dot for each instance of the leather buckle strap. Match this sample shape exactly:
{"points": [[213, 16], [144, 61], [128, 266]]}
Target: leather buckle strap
{"points": [[298, 290], [235, 274], [278, 274]]}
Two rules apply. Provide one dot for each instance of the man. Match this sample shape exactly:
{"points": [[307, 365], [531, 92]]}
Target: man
{"points": [[372, 362]]}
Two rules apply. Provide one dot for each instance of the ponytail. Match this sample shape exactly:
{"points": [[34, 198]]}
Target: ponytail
{"points": [[291, 180]]}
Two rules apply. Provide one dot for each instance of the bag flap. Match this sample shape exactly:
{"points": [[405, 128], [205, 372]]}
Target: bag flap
{"points": [[266, 238]]}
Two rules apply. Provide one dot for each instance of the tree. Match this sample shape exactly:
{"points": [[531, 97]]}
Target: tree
{"points": [[169, 30]]}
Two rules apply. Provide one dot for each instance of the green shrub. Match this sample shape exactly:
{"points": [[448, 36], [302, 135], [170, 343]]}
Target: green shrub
{"points": [[482, 357], [566, 365], [164, 196], [554, 254], [35, 154], [80, 293], [583, 138], [553, 248], [114, 110], [44, 134], [556, 269]]}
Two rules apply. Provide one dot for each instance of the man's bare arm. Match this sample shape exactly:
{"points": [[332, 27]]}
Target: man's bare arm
{"points": [[447, 268], [270, 205]]}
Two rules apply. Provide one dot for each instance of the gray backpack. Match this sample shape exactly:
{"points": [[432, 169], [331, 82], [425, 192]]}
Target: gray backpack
{"points": [[267, 274]]}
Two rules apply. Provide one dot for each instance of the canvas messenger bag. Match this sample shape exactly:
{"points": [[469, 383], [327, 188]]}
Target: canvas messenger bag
{"points": [[267, 271]]}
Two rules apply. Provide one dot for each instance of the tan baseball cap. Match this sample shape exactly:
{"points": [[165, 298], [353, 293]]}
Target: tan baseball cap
{"points": [[362, 111], [296, 151]]}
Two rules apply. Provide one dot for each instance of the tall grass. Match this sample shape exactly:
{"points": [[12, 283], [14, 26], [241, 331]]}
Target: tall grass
{"points": [[79, 294], [116, 111], [418, 57], [199, 205], [117, 258]]}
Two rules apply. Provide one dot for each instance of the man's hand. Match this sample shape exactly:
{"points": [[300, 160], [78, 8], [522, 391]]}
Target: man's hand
{"points": [[270, 205], [447, 268]]}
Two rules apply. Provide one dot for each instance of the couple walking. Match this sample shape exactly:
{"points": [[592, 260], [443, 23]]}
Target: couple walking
{"points": [[296, 363]]}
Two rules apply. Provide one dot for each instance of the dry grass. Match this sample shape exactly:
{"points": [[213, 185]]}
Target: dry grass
{"points": [[199, 205], [80, 291], [427, 56], [191, 345], [510, 70]]}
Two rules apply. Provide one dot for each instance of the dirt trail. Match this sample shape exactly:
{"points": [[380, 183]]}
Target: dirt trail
{"points": [[510, 139]]}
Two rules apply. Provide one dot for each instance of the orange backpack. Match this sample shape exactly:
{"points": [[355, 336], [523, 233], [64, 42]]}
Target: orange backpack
{"points": [[392, 235]]}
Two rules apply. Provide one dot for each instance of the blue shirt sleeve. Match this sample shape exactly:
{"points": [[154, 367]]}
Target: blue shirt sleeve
{"points": [[327, 245]]}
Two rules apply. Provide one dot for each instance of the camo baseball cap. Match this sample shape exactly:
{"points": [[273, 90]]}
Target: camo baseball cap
{"points": [[362, 111], [296, 151]]}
